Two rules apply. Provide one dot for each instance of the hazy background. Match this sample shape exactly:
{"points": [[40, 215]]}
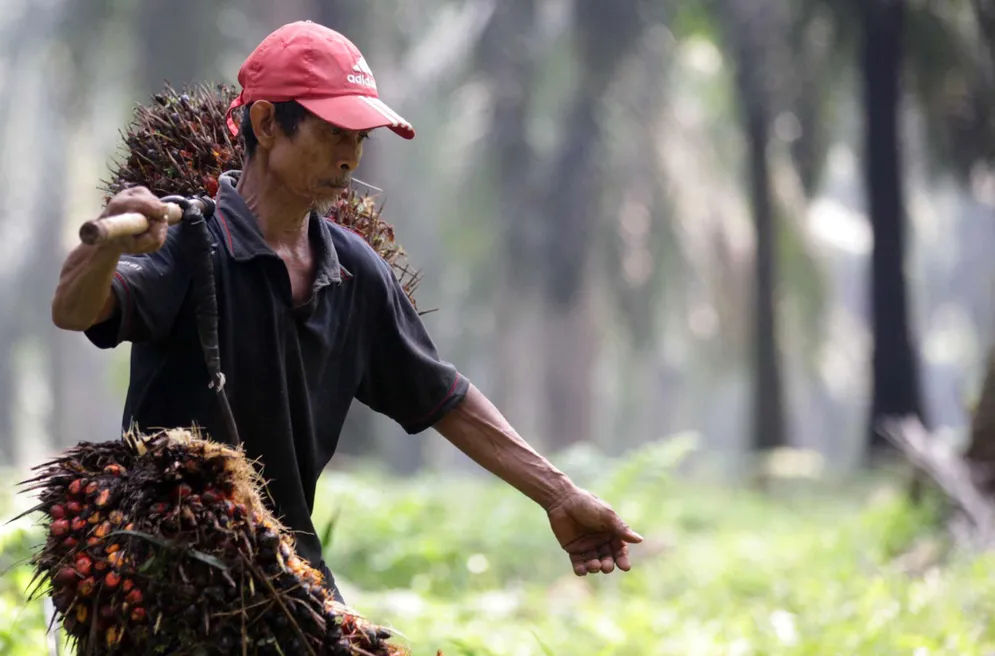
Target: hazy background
{"points": [[634, 218], [665, 237]]}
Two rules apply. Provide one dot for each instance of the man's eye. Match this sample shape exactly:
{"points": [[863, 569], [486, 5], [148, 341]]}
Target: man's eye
{"points": [[363, 136]]}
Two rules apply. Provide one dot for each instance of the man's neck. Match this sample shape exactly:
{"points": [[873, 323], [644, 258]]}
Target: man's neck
{"points": [[282, 215]]}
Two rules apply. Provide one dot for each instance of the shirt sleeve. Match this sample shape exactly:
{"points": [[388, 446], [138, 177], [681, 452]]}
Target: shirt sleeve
{"points": [[150, 290], [404, 377]]}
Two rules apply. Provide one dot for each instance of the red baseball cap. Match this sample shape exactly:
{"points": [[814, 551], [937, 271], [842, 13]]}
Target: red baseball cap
{"points": [[323, 71]]}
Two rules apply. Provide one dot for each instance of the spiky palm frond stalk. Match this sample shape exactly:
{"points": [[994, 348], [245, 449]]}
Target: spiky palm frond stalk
{"points": [[161, 544], [180, 144]]}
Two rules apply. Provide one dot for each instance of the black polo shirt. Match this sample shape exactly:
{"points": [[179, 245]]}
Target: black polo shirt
{"points": [[292, 372]]}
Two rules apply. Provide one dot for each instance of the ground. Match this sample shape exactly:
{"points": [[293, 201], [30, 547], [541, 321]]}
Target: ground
{"points": [[467, 566]]}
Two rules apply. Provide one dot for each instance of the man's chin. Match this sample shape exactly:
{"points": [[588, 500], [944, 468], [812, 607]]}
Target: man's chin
{"points": [[325, 200], [324, 206]]}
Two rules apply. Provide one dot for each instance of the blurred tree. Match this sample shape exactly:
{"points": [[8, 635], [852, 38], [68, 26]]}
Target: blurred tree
{"points": [[505, 54], [179, 42], [985, 10], [981, 448], [895, 371], [751, 30], [13, 56], [575, 185], [819, 48], [31, 278]]}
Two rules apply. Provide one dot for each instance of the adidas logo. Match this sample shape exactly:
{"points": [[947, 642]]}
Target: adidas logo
{"points": [[365, 77]]}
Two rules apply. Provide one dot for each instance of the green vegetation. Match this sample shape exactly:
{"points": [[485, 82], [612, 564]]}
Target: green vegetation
{"points": [[468, 566]]}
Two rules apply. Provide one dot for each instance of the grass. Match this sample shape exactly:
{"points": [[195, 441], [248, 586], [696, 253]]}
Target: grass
{"points": [[468, 566]]}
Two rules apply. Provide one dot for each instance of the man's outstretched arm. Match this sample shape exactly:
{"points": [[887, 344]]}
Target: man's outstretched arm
{"points": [[587, 528]]}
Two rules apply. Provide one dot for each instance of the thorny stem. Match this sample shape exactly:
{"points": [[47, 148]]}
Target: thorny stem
{"points": [[283, 607]]}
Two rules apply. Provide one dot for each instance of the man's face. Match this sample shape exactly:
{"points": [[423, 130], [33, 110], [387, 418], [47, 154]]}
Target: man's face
{"points": [[317, 161]]}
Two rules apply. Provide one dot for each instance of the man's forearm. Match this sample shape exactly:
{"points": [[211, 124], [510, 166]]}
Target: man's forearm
{"points": [[480, 431], [84, 295]]}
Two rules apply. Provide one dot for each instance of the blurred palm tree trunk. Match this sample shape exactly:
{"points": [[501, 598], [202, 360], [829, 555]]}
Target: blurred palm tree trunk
{"points": [[12, 56], [575, 187], [895, 371], [506, 54], [981, 450], [985, 11], [748, 30]]}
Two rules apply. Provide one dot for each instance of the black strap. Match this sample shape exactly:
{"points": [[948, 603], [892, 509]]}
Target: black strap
{"points": [[197, 243]]}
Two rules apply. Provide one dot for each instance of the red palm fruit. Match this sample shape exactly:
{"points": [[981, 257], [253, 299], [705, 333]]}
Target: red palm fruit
{"points": [[111, 548], [129, 526], [134, 597], [65, 578], [73, 508], [116, 517], [100, 565], [94, 518], [85, 587], [81, 612], [103, 498], [211, 185], [112, 636], [57, 511], [76, 486], [138, 614], [91, 488], [107, 612], [115, 558], [83, 564], [114, 469], [70, 543], [59, 527], [127, 585], [103, 530], [92, 541], [112, 579], [78, 524]]}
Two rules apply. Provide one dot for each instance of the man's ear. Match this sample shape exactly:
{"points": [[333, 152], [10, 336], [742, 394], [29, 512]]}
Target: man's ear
{"points": [[264, 125]]}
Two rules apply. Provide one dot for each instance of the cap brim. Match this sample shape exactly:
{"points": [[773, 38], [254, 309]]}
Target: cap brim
{"points": [[354, 112]]}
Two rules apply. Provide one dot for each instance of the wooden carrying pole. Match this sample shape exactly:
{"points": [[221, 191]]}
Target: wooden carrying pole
{"points": [[98, 231]]}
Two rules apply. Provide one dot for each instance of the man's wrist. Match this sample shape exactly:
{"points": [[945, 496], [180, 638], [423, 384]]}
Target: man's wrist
{"points": [[555, 490]]}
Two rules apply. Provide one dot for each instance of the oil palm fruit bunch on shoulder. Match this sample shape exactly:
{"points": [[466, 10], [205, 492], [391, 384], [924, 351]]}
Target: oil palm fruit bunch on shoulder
{"points": [[180, 144], [161, 544]]}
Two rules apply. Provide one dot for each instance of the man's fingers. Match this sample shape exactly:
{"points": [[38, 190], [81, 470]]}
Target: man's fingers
{"points": [[607, 564], [137, 199], [621, 550], [580, 569], [592, 562]]}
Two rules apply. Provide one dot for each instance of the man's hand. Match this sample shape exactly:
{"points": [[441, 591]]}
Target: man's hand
{"points": [[143, 201], [591, 533]]}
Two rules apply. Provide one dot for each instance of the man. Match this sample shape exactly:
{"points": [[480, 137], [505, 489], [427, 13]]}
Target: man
{"points": [[309, 316]]}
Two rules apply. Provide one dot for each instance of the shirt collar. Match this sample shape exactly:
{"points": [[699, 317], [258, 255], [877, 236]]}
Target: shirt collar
{"points": [[244, 240]]}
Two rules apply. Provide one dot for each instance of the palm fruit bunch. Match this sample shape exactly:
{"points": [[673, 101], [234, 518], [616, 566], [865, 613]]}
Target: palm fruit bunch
{"points": [[180, 144], [161, 544]]}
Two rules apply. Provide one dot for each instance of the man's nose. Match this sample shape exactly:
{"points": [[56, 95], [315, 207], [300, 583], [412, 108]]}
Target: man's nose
{"points": [[349, 153]]}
